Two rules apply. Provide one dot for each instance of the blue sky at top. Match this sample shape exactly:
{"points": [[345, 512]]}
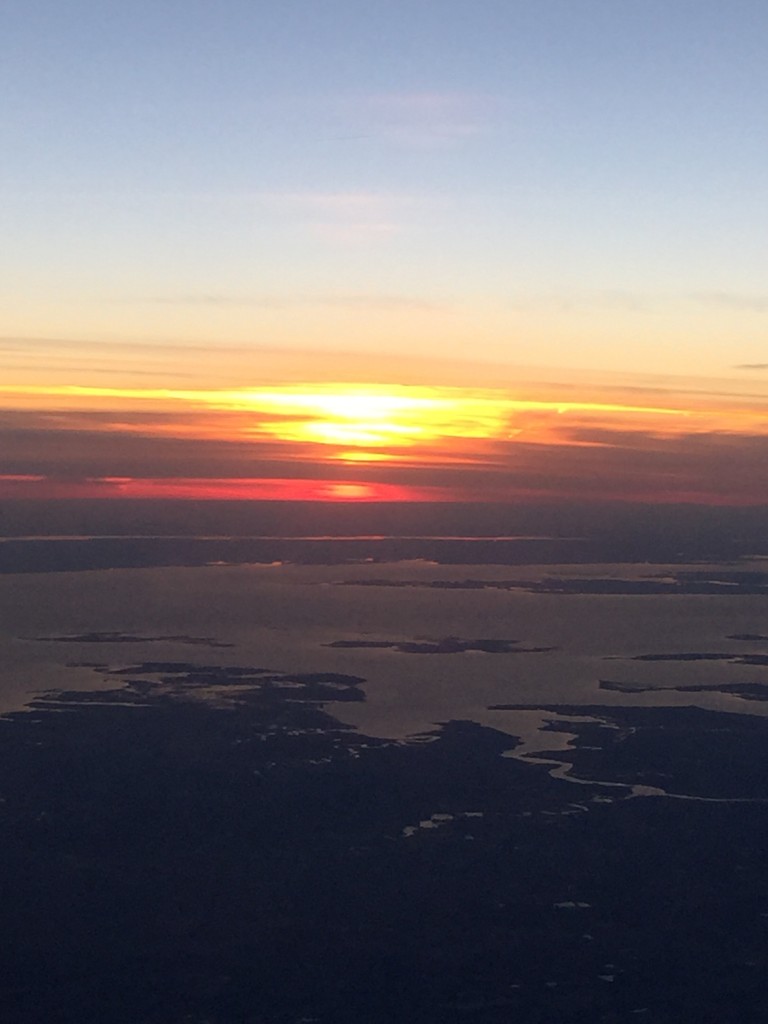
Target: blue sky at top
{"points": [[604, 157]]}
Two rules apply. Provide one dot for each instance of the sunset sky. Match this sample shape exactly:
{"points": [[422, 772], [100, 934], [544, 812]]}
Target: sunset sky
{"points": [[501, 250]]}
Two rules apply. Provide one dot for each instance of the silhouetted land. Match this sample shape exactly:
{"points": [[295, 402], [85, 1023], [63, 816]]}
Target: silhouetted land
{"points": [[202, 841], [579, 532], [167, 860]]}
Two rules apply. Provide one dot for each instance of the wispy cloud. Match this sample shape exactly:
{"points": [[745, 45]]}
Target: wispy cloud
{"points": [[639, 302], [350, 301], [213, 299], [605, 298], [751, 366], [755, 303], [19, 343], [342, 216], [581, 462], [424, 118], [345, 215], [380, 302]]}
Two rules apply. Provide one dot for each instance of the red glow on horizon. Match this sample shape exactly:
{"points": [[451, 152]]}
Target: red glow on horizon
{"points": [[30, 487], [230, 489]]}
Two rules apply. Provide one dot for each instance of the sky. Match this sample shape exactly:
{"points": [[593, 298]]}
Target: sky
{"points": [[493, 249]]}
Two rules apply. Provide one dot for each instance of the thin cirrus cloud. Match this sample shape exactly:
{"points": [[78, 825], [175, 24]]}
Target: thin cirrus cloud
{"points": [[341, 216], [336, 215], [612, 299], [631, 301], [755, 303], [406, 119], [267, 302], [424, 118]]}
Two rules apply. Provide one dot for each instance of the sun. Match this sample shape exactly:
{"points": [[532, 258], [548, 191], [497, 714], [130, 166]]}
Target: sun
{"points": [[350, 417]]}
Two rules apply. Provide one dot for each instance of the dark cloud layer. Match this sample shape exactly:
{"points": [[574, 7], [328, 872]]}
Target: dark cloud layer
{"points": [[583, 462]]}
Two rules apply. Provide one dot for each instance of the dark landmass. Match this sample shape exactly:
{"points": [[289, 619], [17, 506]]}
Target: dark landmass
{"points": [[170, 861], [36, 555], [42, 555], [117, 532], [683, 584], [733, 659], [131, 638], [715, 533], [724, 578], [189, 671], [686, 751], [180, 679], [448, 645], [747, 691]]}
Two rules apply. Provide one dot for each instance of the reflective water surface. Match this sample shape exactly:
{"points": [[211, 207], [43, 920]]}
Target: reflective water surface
{"points": [[385, 791]]}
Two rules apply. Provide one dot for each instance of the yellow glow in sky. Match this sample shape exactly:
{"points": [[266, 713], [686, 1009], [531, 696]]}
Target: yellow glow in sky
{"points": [[370, 416], [348, 422], [432, 435]]}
